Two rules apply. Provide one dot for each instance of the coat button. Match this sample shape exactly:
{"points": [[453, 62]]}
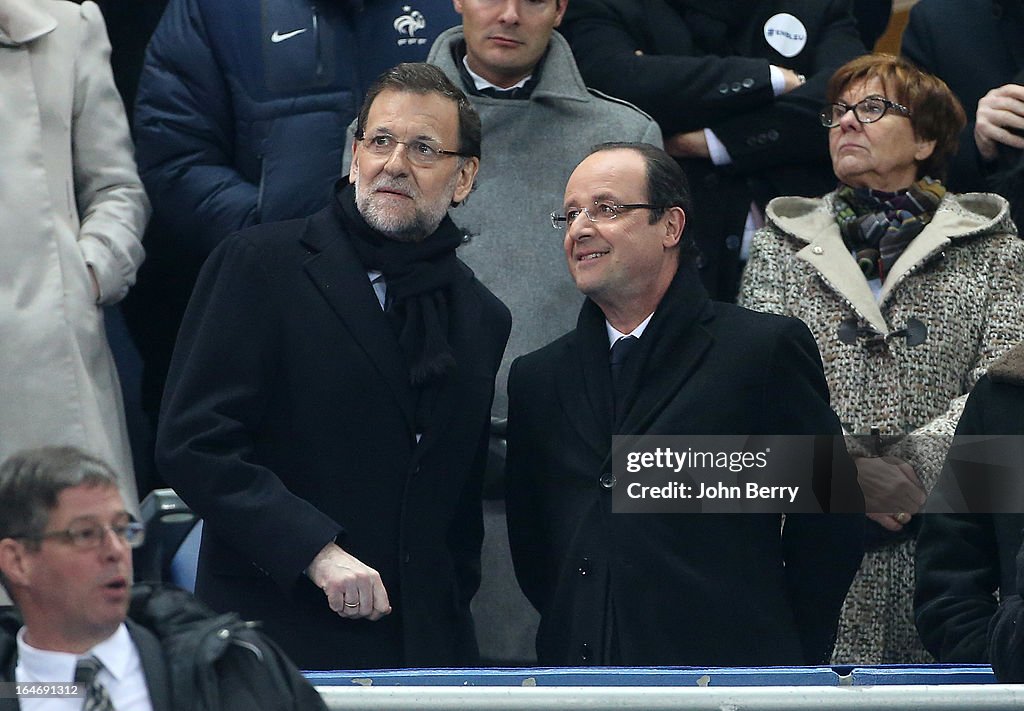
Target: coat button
{"points": [[817, 250], [736, 86], [607, 480], [773, 134], [701, 261], [585, 566], [723, 89], [585, 653], [467, 238], [732, 242], [748, 82]]}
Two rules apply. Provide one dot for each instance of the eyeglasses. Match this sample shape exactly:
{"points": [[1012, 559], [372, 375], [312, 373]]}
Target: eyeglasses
{"points": [[419, 152], [601, 212], [866, 110], [86, 536]]}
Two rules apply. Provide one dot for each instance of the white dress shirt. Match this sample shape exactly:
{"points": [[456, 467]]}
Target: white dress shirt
{"points": [[122, 674], [614, 334]]}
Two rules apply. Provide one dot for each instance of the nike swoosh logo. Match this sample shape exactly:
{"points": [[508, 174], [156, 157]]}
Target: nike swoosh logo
{"points": [[281, 37]]}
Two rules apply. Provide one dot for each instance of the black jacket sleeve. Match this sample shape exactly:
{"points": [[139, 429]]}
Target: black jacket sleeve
{"points": [[644, 52]]}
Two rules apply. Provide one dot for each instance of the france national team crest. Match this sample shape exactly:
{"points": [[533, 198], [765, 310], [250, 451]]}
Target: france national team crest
{"points": [[408, 24], [786, 34]]}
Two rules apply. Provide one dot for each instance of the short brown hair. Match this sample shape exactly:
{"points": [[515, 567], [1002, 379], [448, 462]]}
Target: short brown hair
{"points": [[935, 112], [422, 78]]}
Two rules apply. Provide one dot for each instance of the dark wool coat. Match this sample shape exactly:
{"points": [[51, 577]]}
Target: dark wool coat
{"points": [[964, 561], [288, 423], [684, 589]]}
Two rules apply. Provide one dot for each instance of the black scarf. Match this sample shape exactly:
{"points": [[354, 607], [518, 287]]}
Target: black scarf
{"points": [[418, 276]]}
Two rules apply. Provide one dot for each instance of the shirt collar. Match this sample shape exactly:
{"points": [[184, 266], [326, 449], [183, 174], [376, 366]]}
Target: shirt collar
{"points": [[40, 664], [614, 334], [480, 83]]}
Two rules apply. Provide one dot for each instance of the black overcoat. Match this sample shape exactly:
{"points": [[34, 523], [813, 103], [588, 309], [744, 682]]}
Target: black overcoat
{"points": [[288, 423], [684, 589]]}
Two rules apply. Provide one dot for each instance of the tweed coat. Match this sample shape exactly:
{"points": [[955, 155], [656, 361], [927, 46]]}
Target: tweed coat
{"points": [[963, 277], [70, 198]]}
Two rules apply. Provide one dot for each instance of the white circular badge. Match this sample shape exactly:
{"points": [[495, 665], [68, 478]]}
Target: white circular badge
{"points": [[786, 34]]}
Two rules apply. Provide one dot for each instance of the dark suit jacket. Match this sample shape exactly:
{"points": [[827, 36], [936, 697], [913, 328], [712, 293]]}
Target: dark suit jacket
{"points": [[288, 423], [697, 589], [974, 46], [646, 52]]}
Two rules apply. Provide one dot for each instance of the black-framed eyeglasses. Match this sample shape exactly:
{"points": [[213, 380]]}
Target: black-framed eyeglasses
{"points": [[866, 110], [86, 535], [421, 152], [600, 212]]}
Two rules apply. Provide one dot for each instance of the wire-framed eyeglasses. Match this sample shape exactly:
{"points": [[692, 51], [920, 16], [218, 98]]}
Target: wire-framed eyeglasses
{"points": [[87, 535], [600, 212], [866, 110], [420, 151]]}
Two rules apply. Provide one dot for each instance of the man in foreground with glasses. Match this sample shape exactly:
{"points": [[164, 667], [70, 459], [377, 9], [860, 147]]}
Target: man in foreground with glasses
{"points": [[66, 540], [652, 354], [329, 399]]}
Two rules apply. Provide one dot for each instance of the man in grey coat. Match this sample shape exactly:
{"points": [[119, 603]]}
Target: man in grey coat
{"points": [[539, 120]]}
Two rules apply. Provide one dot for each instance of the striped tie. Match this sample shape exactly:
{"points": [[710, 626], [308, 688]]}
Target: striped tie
{"points": [[96, 696]]}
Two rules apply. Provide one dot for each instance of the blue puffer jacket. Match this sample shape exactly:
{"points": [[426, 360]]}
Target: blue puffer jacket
{"points": [[242, 106]]}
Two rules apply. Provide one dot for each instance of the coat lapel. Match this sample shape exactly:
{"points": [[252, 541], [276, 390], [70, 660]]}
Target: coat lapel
{"points": [[341, 279], [827, 254], [584, 381], [676, 342], [22, 21], [153, 666]]}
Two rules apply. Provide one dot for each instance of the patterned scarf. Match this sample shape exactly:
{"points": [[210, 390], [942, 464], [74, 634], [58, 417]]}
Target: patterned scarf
{"points": [[877, 226]]}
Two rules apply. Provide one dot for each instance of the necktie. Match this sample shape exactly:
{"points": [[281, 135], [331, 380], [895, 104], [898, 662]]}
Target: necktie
{"points": [[619, 353], [616, 360], [520, 92], [96, 696]]}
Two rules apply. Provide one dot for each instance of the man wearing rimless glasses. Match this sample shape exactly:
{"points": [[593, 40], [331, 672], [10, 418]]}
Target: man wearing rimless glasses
{"points": [[652, 355]]}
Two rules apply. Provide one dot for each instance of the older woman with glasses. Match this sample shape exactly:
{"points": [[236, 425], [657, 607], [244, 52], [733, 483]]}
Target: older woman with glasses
{"points": [[910, 292]]}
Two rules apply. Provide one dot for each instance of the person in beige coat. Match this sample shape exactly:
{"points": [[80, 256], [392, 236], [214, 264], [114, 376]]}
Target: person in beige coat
{"points": [[72, 212], [910, 292]]}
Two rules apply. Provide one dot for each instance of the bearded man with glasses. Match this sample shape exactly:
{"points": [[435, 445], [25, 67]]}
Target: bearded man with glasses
{"points": [[329, 400]]}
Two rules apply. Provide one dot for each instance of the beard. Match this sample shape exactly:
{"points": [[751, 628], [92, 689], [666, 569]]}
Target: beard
{"points": [[409, 225]]}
